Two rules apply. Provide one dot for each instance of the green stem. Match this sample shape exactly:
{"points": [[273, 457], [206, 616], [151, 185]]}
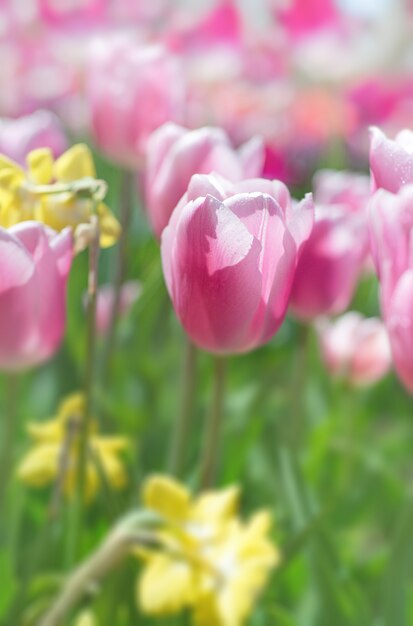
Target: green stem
{"points": [[90, 371], [8, 432], [182, 429], [126, 205], [213, 429]]}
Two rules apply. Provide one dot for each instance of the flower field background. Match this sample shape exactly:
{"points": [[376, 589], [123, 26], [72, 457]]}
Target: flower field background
{"points": [[120, 504]]}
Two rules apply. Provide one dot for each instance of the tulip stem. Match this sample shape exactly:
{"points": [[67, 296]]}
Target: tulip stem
{"points": [[182, 429], [7, 439], [126, 205], [89, 385], [213, 427]]}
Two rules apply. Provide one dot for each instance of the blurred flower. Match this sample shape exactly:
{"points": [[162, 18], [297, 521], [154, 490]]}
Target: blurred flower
{"points": [[54, 455], [174, 154], [342, 187], [20, 136], [391, 161], [213, 563], [331, 262], [355, 348], [391, 226], [129, 293], [132, 89], [229, 256], [85, 618], [23, 195], [35, 264]]}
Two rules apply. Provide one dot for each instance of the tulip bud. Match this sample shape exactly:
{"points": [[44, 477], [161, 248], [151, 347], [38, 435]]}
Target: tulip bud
{"points": [[229, 255]]}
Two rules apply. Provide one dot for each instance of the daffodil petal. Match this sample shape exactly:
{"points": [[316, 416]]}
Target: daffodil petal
{"points": [[166, 496], [166, 586], [75, 163], [40, 166]]}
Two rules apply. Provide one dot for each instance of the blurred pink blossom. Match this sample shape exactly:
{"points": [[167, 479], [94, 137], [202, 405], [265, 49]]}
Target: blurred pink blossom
{"points": [[35, 265], [130, 292], [174, 154], [355, 348], [41, 129], [132, 89], [331, 262], [391, 226]]}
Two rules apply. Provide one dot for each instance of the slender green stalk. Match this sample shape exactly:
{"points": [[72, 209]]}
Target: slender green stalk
{"points": [[76, 513], [182, 430], [126, 205], [213, 429], [7, 439]]}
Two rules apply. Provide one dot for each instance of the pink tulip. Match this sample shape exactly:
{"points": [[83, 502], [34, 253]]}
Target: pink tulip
{"points": [[391, 161], [229, 255], [130, 292], [355, 348], [175, 154], [35, 265], [391, 227], [346, 188], [331, 263], [132, 89], [41, 129]]}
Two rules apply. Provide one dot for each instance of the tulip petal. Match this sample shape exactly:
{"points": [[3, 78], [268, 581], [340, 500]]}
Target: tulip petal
{"points": [[400, 327], [391, 163], [216, 282]]}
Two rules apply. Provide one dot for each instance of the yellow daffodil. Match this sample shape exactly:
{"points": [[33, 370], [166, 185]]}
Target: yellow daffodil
{"points": [[55, 452], [212, 563], [58, 193]]}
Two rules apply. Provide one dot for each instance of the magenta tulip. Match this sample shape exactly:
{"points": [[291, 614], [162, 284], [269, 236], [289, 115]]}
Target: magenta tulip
{"points": [[35, 264], [132, 89], [175, 154], [41, 129], [391, 224], [331, 263], [229, 254], [355, 348], [391, 161]]}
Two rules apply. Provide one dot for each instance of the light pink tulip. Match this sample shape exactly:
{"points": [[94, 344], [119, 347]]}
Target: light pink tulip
{"points": [[331, 263], [132, 89], [35, 264], [41, 129], [391, 227], [175, 154], [229, 255], [355, 348], [130, 292], [347, 188], [391, 160]]}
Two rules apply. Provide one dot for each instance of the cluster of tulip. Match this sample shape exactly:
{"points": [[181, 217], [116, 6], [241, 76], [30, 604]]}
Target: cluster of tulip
{"points": [[238, 253]]}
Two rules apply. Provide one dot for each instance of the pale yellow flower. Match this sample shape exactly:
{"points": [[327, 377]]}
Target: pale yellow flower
{"points": [[55, 452], [213, 563], [23, 197]]}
